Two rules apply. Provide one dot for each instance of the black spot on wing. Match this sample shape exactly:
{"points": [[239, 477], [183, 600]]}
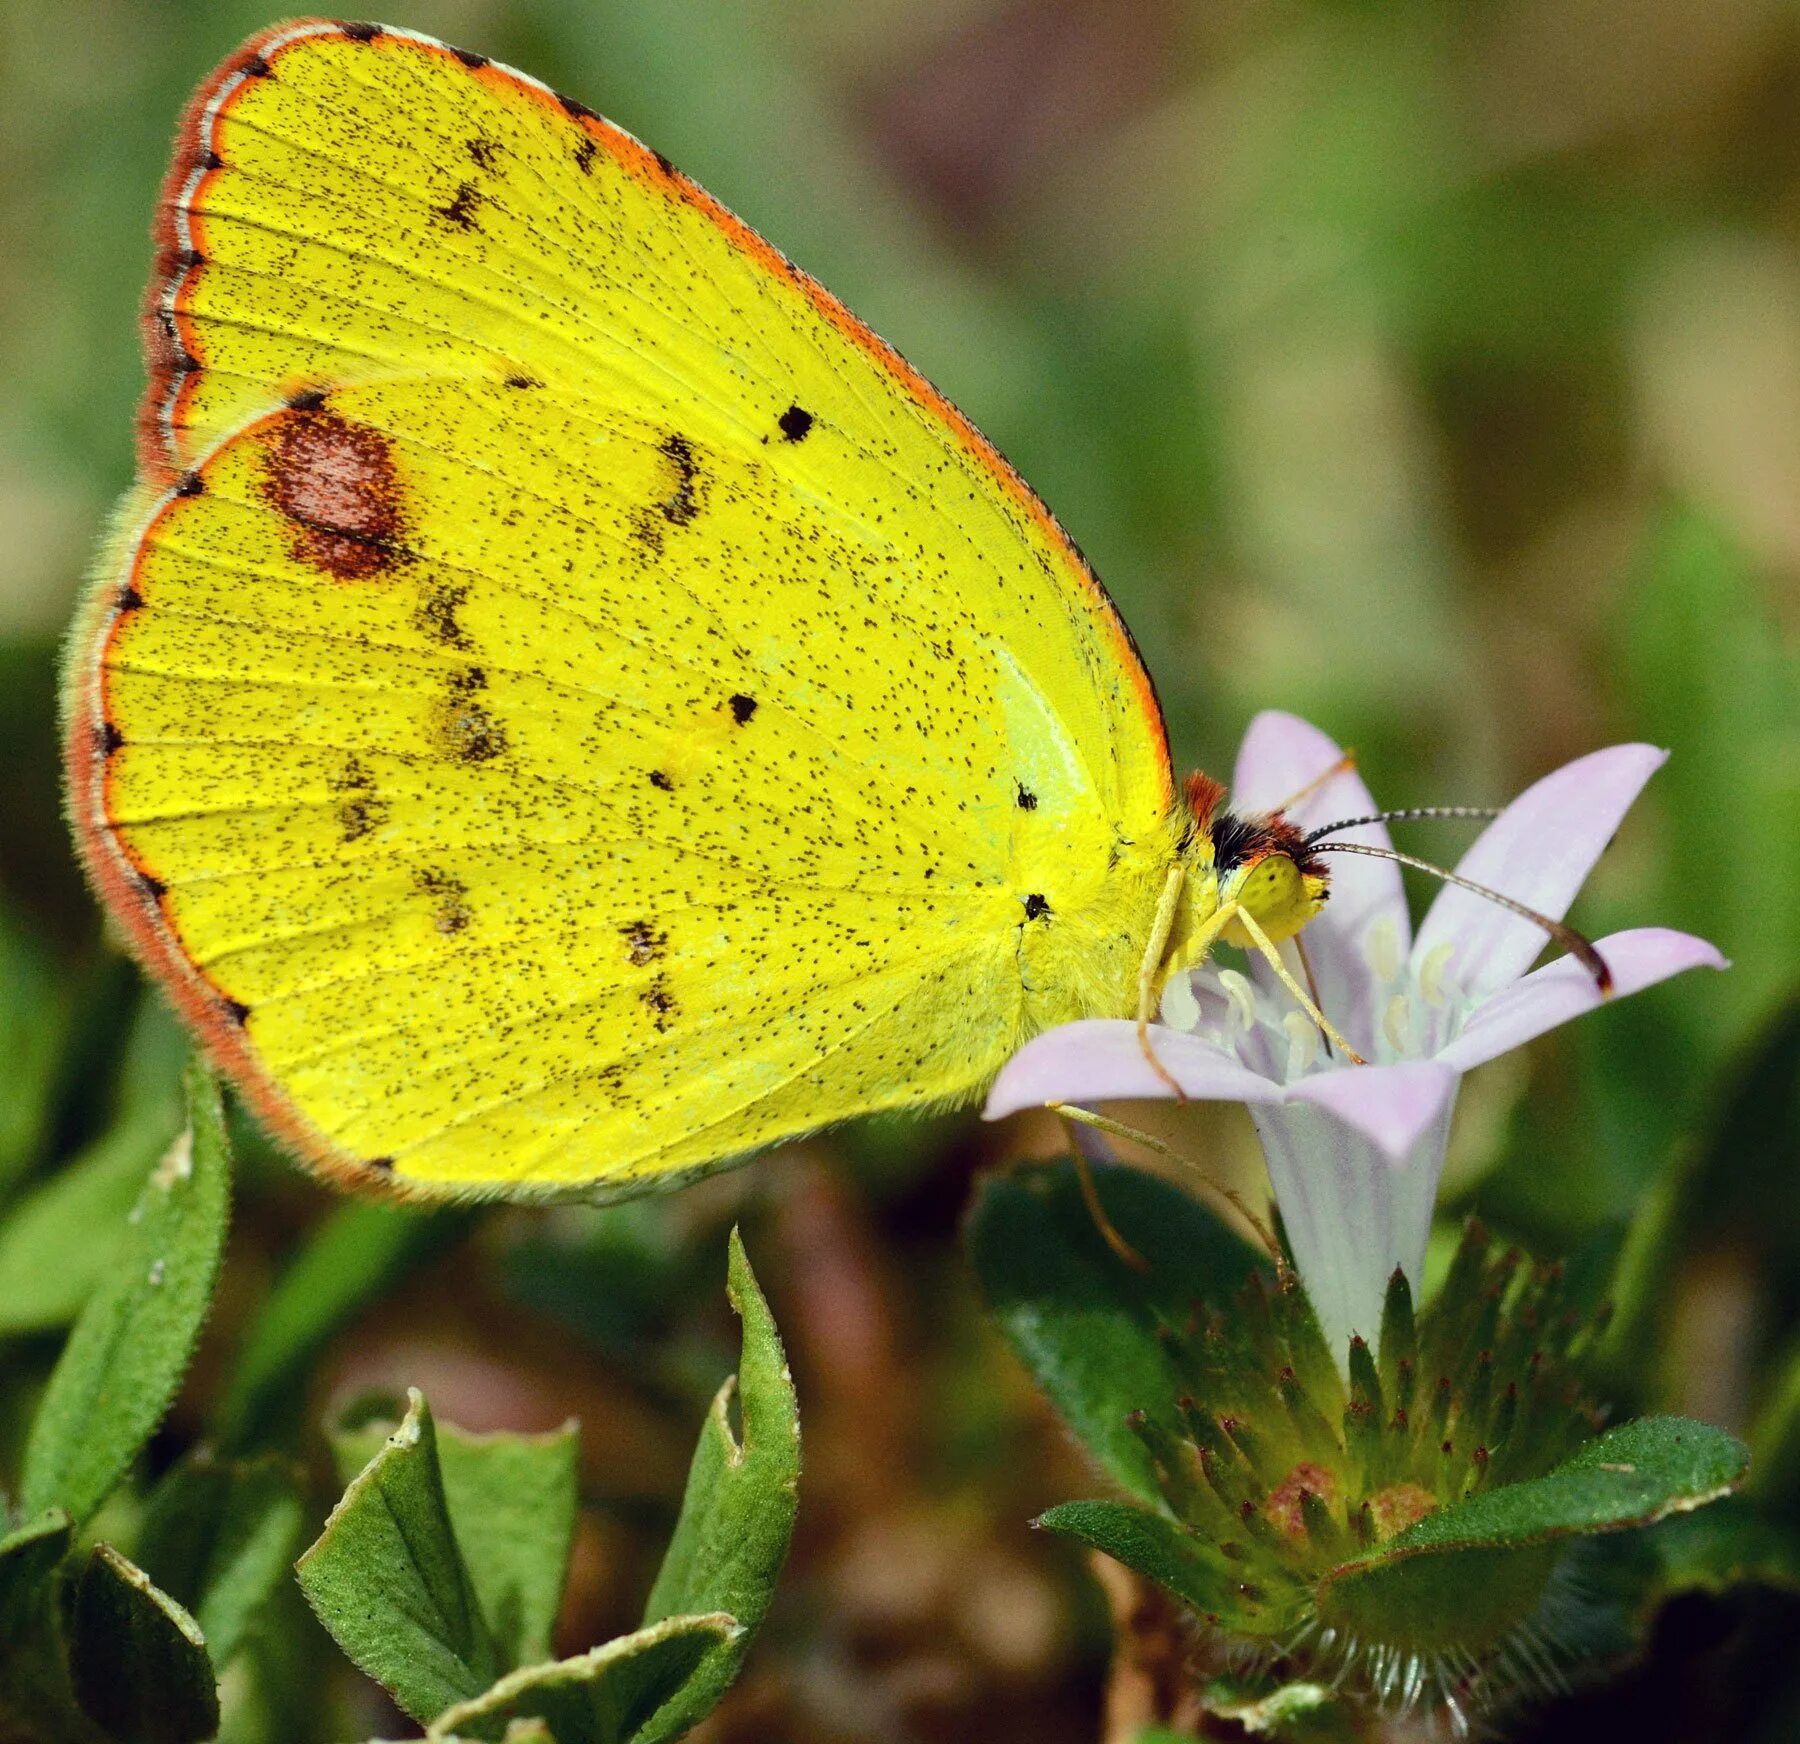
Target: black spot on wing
{"points": [[660, 1003], [523, 381], [191, 484], [381, 1165], [1036, 907], [1027, 799], [795, 424], [683, 503], [307, 400], [485, 152], [108, 738], [358, 32], [436, 615], [575, 107], [462, 208], [662, 780], [681, 500], [742, 708], [237, 1011], [256, 67], [643, 944], [584, 156], [360, 808], [466, 730], [449, 898]]}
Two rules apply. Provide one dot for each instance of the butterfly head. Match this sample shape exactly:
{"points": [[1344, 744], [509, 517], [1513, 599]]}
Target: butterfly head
{"points": [[1261, 862]]}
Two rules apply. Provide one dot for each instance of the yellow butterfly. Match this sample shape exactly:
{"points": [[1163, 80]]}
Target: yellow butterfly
{"points": [[566, 706]]}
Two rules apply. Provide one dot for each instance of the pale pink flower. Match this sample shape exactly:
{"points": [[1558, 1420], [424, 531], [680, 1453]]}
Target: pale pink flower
{"points": [[1354, 1152]]}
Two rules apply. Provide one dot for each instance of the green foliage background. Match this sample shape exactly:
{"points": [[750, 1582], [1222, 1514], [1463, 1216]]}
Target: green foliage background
{"points": [[1430, 368]]}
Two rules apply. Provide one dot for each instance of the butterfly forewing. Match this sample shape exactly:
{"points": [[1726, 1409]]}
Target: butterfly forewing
{"points": [[569, 705]]}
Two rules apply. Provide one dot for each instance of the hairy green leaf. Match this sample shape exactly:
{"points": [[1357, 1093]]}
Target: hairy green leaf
{"points": [[137, 1659], [134, 1338], [1082, 1321], [614, 1695], [512, 1501], [387, 1578], [737, 1514]]}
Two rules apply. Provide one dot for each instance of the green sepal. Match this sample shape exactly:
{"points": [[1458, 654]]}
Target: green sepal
{"points": [[1466, 1574], [1180, 1563]]}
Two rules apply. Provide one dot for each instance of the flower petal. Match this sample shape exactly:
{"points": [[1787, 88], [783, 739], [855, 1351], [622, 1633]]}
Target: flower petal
{"points": [[1538, 851], [1280, 754], [1099, 1060], [1352, 1212], [1391, 1106], [1564, 989]]}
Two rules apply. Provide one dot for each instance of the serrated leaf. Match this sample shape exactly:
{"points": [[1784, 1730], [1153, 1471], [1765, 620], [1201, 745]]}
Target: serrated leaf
{"points": [[218, 1536], [355, 1255], [1498, 1547], [134, 1338], [512, 1501], [1082, 1321], [613, 1695], [60, 1240], [137, 1659], [1161, 1551], [388, 1580], [737, 1513]]}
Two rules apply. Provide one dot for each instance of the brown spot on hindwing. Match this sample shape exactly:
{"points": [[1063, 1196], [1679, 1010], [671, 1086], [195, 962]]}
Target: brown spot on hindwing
{"points": [[659, 1001], [643, 943], [336, 482], [449, 898], [465, 729], [360, 808]]}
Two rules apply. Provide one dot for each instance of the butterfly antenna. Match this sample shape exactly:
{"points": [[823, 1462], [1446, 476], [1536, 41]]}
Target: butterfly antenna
{"points": [[1405, 814], [1576, 944]]}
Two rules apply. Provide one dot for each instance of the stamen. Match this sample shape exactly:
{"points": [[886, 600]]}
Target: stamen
{"points": [[1381, 950], [1431, 973], [1242, 998], [1179, 1008], [1396, 1023], [1303, 1043]]}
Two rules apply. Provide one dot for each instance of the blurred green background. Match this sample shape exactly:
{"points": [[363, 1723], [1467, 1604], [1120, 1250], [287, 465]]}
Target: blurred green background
{"points": [[1430, 368]]}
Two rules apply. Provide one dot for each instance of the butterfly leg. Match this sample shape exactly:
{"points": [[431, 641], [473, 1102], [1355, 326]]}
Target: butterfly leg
{"points": [[1266, 946], [1118, 1129], [1071, 1116], [1160, 928]]}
